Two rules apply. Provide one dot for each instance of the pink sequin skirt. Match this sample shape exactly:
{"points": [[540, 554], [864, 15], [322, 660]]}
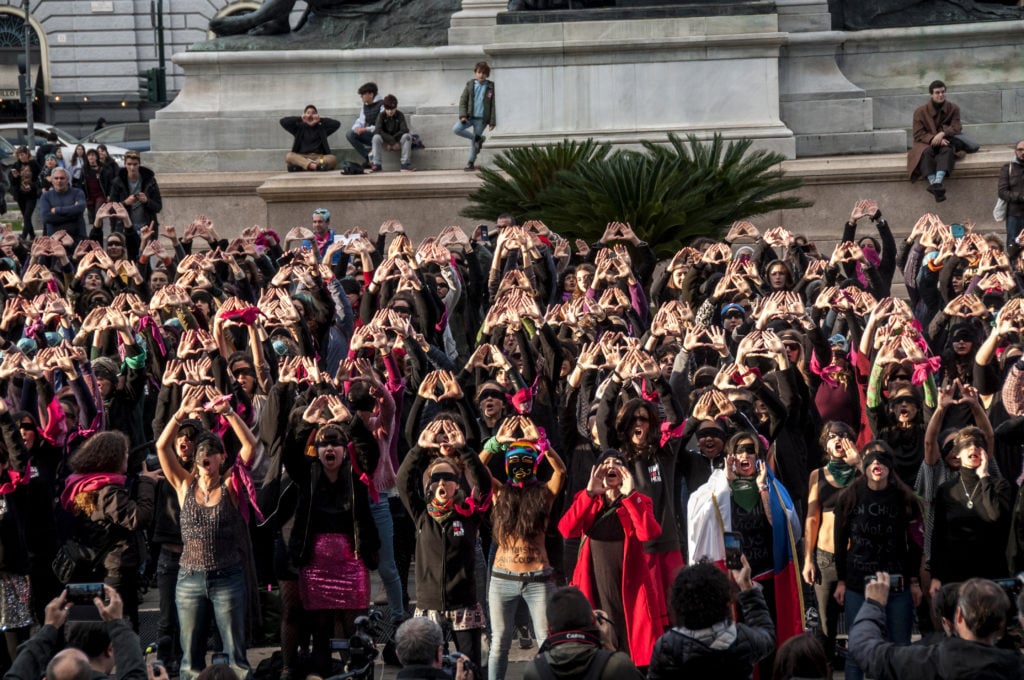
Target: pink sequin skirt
{"points": [[334, 578]]}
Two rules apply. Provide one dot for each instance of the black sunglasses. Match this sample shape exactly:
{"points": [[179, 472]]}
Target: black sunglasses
{"points": [[329, 441], [443, 477], [31, 427], [710, 432]]}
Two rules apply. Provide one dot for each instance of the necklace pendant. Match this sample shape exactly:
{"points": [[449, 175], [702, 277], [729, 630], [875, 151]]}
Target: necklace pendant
{"points": [[970, 504]]}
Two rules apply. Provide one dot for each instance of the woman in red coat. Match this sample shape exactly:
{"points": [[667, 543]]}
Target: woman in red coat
{"points": [[612, 570]]}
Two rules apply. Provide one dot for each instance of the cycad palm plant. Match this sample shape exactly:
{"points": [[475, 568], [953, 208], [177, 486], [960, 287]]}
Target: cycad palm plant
{"points": [[523, 174], [669, 194]]}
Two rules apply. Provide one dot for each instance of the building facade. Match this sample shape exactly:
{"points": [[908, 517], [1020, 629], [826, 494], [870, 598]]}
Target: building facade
{"points": [[87, 55]]}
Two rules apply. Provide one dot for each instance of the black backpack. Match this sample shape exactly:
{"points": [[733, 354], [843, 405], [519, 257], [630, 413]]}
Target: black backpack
{"points": [[351, 168]]}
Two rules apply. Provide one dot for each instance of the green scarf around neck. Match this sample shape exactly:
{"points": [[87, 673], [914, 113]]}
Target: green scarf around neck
{"points": [[841, 471], [745, 493]]}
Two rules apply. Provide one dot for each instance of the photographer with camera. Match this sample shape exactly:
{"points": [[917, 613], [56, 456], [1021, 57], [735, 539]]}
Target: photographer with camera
{"points": [[40, 653], [419, 643], [576, 646], [981, 616]]}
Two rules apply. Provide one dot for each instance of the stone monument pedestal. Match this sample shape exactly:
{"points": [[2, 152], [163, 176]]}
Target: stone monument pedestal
{"points": [[611, 75]]}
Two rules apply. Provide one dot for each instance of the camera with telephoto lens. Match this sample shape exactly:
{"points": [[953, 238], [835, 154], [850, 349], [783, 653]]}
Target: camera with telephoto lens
{"points": [[1012, 587], [450, 665], [359, 651]]}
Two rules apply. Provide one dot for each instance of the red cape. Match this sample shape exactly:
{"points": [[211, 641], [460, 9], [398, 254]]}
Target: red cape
{"points": [[643, 603]]}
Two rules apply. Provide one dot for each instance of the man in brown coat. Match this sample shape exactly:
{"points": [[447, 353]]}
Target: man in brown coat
{"points": [[935, 125]]}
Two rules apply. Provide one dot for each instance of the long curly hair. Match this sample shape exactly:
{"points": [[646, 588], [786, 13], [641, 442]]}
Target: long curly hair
{"points": [[521, 513], [102, 452]]}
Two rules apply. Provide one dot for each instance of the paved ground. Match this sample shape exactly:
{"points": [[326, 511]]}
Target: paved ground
{"points": [[149, 612]]}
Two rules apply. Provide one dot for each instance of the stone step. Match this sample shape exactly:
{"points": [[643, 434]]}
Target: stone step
{"points": [[431, 158], [842, 143]]}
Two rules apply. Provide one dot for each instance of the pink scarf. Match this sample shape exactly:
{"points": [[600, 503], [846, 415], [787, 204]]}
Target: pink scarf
{"points": [[93, 481]]}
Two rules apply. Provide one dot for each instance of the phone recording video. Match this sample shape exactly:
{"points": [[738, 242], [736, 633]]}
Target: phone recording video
{"points": [[733, 550]]}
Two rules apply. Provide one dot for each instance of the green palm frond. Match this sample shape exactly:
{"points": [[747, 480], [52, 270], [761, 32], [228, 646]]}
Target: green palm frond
{"points": [[524, 173], [670, 193]]}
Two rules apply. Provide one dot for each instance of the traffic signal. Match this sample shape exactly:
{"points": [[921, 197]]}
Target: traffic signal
{"points": [[153, 85], [148, 87]]}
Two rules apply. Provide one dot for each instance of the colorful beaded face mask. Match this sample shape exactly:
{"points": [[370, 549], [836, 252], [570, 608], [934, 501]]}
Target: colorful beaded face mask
{"points": [[521, 462]]}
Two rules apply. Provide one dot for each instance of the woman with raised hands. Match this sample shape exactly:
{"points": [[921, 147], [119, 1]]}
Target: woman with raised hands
{"points": [[447, 498], [972, 516], [614, 520], [212, 573], [841, 468], [521, 570], [335, 540]]}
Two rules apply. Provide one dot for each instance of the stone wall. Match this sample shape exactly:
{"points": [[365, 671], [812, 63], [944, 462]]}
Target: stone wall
{"points": [[427, 202]]}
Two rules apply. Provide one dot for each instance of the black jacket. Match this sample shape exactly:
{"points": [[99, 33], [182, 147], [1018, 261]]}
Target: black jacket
{"points": [[29, 169], [679, 656], [1011, 188], [571, 661], [308, 475], [422, 673], [444, 550], [115, 522], [302, 137], [391, 128], [35, 653], [119, 191], [951, 658]]}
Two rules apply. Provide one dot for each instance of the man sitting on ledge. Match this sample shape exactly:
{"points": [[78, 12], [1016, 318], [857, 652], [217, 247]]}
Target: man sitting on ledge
{"points": [[310, 150], [935, 125]]}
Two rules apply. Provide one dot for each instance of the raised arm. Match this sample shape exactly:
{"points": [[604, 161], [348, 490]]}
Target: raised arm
{"points": [[178, 477], [558, 478]]}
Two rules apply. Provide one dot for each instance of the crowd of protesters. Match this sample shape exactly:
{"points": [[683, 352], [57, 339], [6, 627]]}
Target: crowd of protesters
{"points": [[513, 412]]}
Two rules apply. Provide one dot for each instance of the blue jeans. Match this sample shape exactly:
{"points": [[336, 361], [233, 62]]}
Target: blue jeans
{"points": [[463, 130], [504, 595], [224, 592], [1014, 225], [899, 623], [388, 571], [360, 142]]}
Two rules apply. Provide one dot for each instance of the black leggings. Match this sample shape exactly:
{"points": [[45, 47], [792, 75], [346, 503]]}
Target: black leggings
{"points": [[27, 207]]}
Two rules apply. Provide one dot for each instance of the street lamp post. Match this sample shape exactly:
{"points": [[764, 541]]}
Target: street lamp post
{"points": [[28, 79]]}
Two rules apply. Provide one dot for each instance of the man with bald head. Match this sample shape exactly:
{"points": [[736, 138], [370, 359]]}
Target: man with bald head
{"points": [[69, 664], [40, 652], [63, 207]]}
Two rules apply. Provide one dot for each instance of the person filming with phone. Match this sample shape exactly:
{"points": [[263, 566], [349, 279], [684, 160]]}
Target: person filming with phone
{"points": [[40, 656], [706, 641]]}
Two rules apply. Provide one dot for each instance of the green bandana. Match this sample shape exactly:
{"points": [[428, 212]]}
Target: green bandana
{"points": [[841, 471], [745, 493]]}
